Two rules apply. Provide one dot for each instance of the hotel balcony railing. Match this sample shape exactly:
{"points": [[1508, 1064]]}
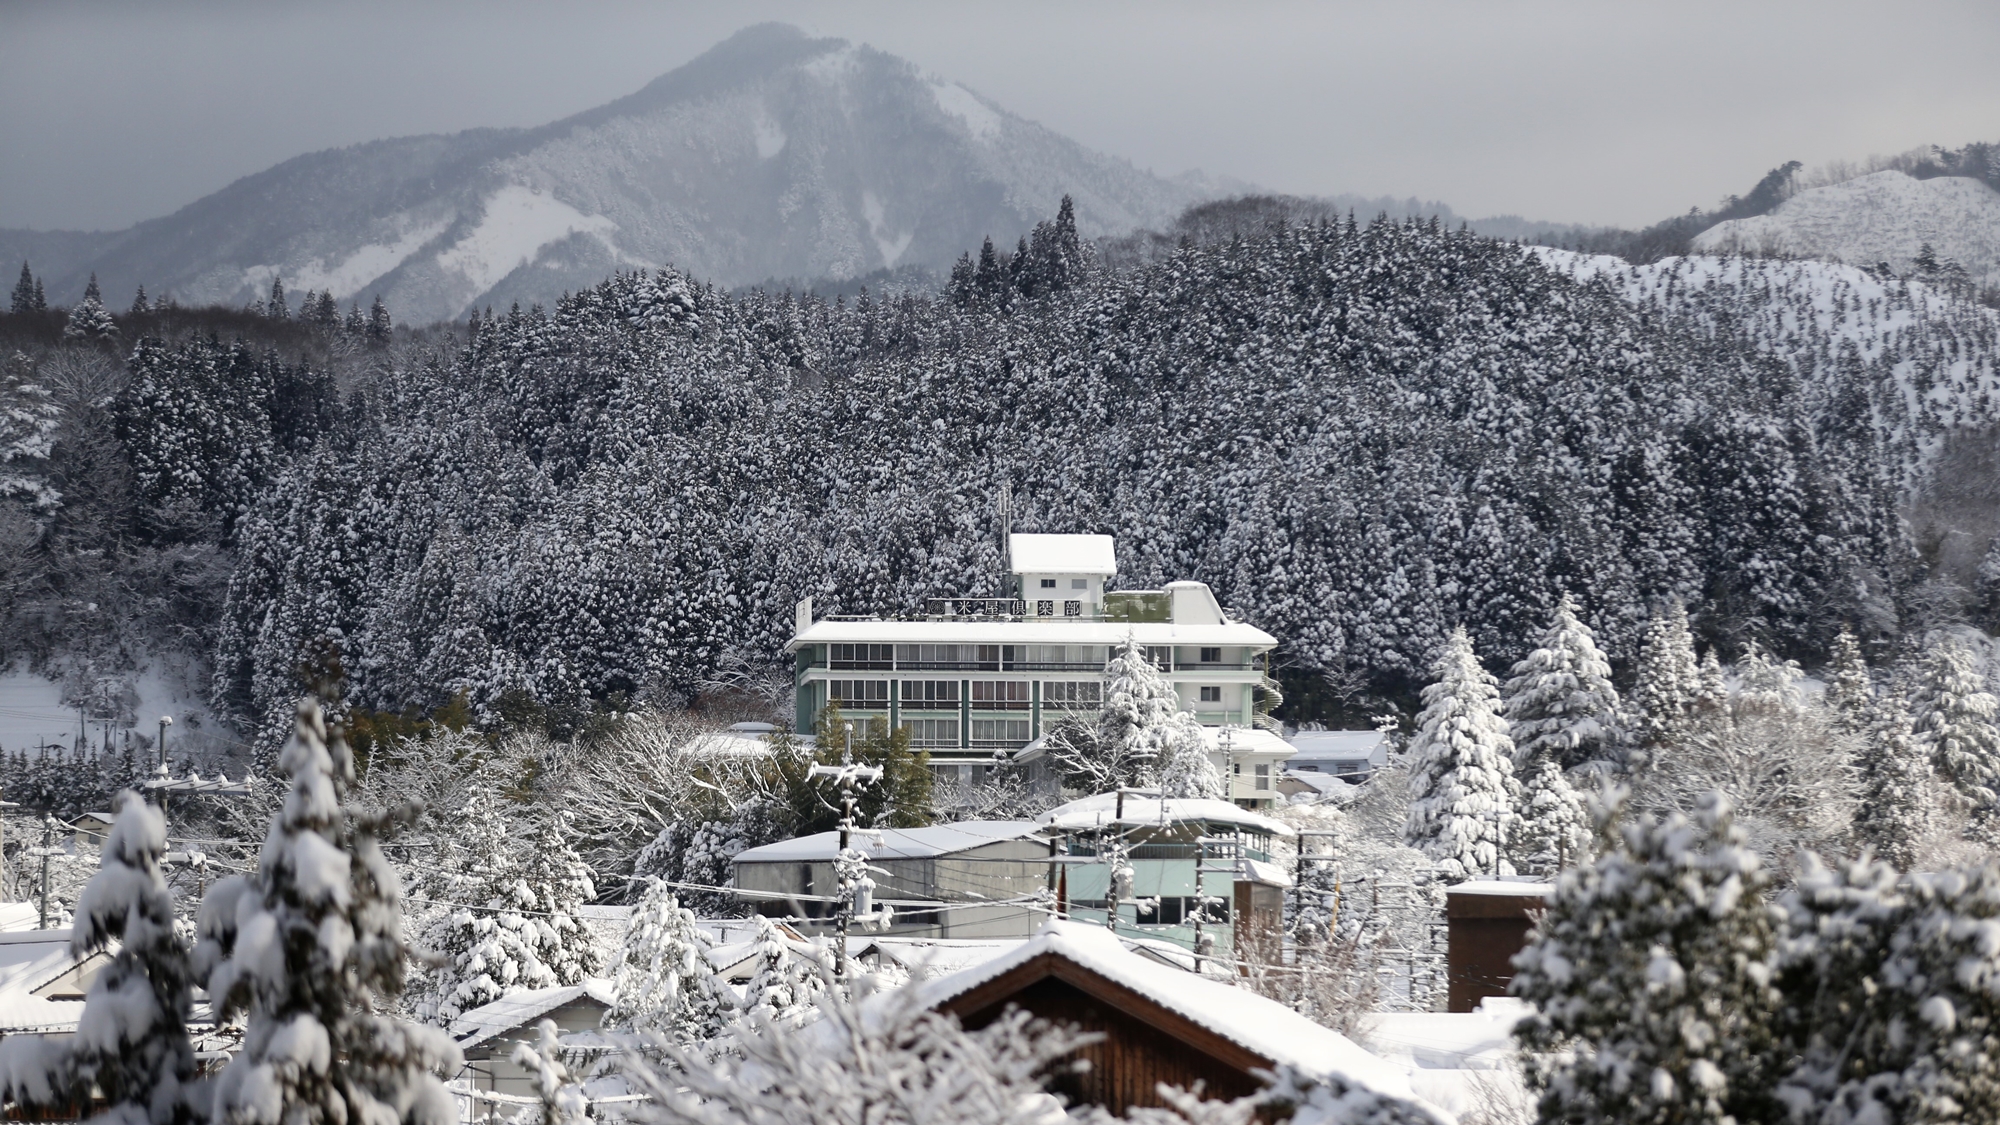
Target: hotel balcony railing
{"points": [[999, 705]]}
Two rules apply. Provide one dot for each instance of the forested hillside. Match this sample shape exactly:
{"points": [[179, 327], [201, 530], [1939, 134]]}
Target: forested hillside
{"points": [[1360, 435]]}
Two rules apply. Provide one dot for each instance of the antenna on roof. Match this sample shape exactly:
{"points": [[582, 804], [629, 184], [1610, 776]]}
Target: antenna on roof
{"points": [[1006, 538]]}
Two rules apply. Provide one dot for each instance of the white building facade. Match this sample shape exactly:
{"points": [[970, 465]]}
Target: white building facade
{"points": [[972, 677]]}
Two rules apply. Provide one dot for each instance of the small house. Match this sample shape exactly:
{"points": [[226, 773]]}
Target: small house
{"points": [[1158, 1024], [89, 831], [1488, 921], [488, 1034], [961, 880]]}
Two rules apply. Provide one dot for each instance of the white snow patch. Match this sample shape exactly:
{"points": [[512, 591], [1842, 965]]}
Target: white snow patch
{"points": [[518, 223], [770, 138], [346, 277], [32, 711], [890, 244], [965, 105], [1884, 217]]}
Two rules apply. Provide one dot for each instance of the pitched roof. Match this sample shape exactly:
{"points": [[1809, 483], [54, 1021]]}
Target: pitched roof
{"points": [[1061, 554], [1262, 1027], [516, 1011], [1101, 811], [895, 843]]}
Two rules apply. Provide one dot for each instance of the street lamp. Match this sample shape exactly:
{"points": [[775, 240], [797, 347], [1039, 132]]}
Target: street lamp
{"points": [[165, 722]]}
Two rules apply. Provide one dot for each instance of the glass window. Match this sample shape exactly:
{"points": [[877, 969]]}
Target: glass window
{"points": [[858, 693], [999, 730], [1000, 695], [930, 693], [1048, 583], [1079, 583], [1211, 695], [1211, 656], [1264, 776], [932, 732], [1069, 694]]}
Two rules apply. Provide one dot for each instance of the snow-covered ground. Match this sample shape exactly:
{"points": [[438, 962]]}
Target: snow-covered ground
{"points": [[1884, 217]]}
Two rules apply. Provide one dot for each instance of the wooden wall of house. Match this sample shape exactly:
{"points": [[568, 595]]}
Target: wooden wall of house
{"points": [[491, 1064], [1134, 1057]]}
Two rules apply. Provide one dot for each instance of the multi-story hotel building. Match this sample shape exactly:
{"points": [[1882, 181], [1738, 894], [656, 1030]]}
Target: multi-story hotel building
{"points": [[972, 677]]}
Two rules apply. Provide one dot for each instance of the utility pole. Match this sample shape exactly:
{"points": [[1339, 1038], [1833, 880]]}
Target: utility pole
{"points": [[45, 851], [850, 778], [165, 722]]}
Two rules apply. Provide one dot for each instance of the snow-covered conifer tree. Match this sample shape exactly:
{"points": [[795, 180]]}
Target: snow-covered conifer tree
{"points": [[1133, 726], [1890, 1012], [1554, 829], [1559, 701], [787, 985], [1186, 767], [1850, 691], [132, 1040], [664, 984], [1650, 977], [558, 884], [491, 935], [90, 321], [22, 300], [1897, 805], [1667, 680], [311, 947], [1957, 723], [1711, 703], [1462, 787]]}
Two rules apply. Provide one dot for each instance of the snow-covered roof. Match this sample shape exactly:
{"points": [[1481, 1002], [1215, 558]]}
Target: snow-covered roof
{"points": [[1518, 888], [895, 843], [1247, 740], [31, 959], [935, 956], [1259, 1025], [1035, 631], [1340, 745], [1101, 811], [18, 916], [1061, 554], [511, 1013]]}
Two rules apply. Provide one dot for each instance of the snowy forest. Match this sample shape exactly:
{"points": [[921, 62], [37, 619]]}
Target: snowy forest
{"points": [[1667, 583]]}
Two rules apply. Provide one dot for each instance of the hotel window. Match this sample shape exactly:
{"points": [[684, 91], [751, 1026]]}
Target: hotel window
{"points": [[924, 695], [932, 732], [862, 656], [1263, 776], [1048, 583], [866, 694], [1000, 695], [1211, 656], [999, 730], [1079, 583], [1211, 695], [1072, 694]]}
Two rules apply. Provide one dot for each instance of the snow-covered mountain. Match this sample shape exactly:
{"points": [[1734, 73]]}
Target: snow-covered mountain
{"points": [[1884, 217], [773, 155]]}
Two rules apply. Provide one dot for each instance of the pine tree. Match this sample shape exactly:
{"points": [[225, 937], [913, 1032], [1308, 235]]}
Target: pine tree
{"points": [[557, 884], [41, 298], [91, 292], [89, 321], [1462, 786], [1711, 705], [1889, 1011], [378, 322], [132, 1040], [665, 985], [23, 298], [1650, 977], [1187, 770], [311, 948], [1850, 692], [139, 302], [1957, 723], [492, 937], [275, 307], [1553, 820], [786, 987], [1666, 681], [1896, 804], [1134, 725], [1559, 701]]}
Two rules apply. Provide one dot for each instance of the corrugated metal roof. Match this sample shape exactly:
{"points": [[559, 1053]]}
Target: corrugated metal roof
{"points": [[895, 843]]}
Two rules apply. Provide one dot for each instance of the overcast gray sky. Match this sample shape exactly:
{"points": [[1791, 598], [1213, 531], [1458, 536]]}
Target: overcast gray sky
{"points": [[1608, 112]]}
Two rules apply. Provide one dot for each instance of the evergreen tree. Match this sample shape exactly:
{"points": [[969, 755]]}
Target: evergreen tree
{"points": [[1957, 724], [275, 307], [1711, 705], [1889, 1010], [89, 321], [378, 322], [664, 985], [1559, 702], [1666, 681], [492, 936], [1850, 692], [1896, 803], [1134, 725], [1554, 821], [1462, 786], [311, 948], [91, 292], [132, 1040], [1187, 770], [786, 987], [139, 302], [41, 298], [23, 297], [557, 885], [1650, 977]]}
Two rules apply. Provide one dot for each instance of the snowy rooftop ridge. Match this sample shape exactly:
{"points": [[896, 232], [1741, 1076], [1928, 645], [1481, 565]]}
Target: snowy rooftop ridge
{"points": [[1262, 1026], [894, 843], [510, 1012], [1101, 811], [1061, 554]]}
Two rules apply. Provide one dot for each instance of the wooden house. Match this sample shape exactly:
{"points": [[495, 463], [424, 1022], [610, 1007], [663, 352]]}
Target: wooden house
{"points": [[488, 1034]]}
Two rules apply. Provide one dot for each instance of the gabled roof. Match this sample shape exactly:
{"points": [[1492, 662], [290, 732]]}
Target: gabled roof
{"points": [[512, 1013], [1061, 554], [32, 960], [1262, 1032], [1101, 811], [895, 843]]}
